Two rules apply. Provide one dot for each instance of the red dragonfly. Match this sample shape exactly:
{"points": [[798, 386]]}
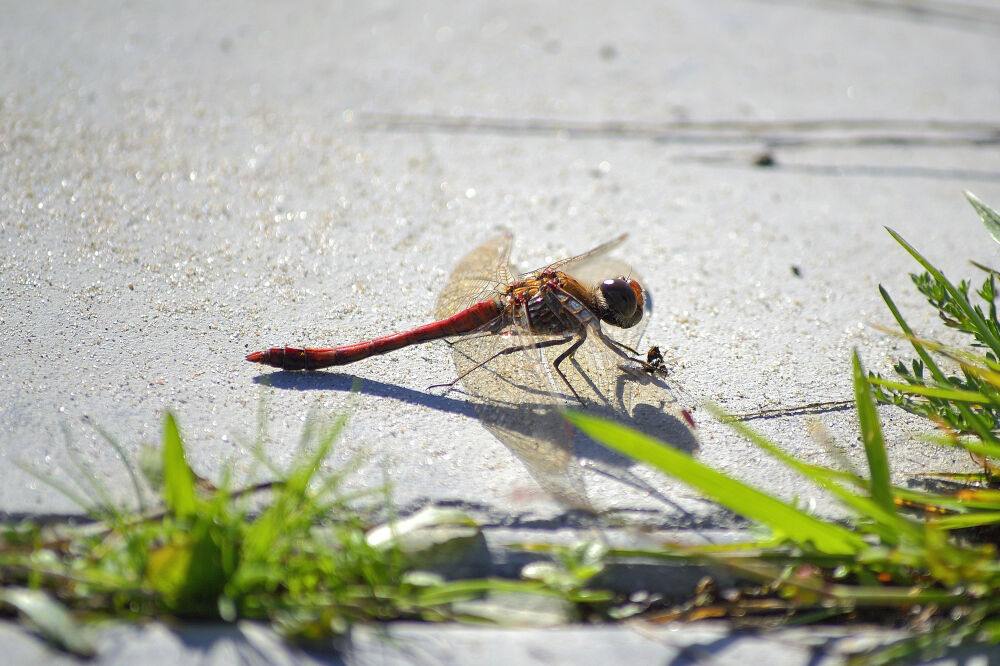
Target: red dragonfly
{"points": [[546, 303], [526, 345]]}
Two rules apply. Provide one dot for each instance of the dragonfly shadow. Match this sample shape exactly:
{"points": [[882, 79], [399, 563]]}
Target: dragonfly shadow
{"points": [[654, 422], [661, 425], [336, 381], [519, 427], [647, 419]]}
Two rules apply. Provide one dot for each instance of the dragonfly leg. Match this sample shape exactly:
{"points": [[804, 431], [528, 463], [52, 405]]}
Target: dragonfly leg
{"points": [[469, 336], [621, 346], [566, 354], [562, 305], [504, 352]]}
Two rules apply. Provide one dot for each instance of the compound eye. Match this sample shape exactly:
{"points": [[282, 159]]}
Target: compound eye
{"points": [[622, 301]]}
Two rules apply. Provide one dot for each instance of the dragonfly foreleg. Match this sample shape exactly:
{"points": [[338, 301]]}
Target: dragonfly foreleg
{"points": [[621, 346], [618, 347]]}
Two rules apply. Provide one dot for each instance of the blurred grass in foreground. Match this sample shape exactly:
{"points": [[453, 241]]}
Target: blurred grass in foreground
{"points": [[295, 552]]}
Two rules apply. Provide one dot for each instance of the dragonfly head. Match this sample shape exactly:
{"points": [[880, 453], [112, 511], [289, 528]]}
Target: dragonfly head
{"points": [[620, 301]]}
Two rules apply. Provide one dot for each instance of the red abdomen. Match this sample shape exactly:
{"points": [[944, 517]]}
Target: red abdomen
{"points": [[295, 358]]}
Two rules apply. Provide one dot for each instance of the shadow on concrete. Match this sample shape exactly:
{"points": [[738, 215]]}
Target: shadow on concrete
{"points": [[535, 433]]}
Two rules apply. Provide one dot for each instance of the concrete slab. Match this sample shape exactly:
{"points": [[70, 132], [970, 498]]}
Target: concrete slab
{"points": [[184, 184], [414, 643]]}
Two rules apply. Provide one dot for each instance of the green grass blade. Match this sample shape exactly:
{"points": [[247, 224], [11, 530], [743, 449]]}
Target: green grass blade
{"points": [[293, 505], [87, 481], [140, 496], [921, 352], [984, 330], [888, 524], [978, 447], [950, 394], [178, 479], [449, 592], [966, 520], [871, 436], [990, 218], [72, 495], [782, 518]]}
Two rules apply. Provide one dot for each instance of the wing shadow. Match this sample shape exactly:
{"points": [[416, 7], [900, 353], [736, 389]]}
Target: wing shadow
{"points": [[549, 460]]}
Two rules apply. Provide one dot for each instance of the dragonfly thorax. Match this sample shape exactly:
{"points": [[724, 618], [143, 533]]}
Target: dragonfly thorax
{"points": [[619, 301]]}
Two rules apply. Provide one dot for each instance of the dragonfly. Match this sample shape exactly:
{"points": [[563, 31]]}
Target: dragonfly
{"points": [[525, 345]]}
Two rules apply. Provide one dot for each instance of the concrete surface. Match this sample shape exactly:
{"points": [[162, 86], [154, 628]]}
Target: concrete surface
{"points": [[406, 643], [411, 643], [183, 183]]}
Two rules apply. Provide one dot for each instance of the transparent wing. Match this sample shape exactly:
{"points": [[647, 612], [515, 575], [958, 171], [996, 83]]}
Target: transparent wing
{"points": [[512, 380], [609, 385], [570, 264], [477, 277], [506, 378], [515, 403]]}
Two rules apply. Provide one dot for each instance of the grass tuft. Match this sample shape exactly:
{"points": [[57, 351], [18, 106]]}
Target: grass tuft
{"points": [[307, 561]]}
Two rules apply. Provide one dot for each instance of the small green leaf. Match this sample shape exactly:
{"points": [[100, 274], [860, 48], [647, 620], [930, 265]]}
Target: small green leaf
{"points": [[167, 568], [178, 479], [188, 572], [51, 618], [989, 216]]}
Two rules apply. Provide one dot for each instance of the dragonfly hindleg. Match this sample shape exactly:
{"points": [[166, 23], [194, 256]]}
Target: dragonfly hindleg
{"points": [[566, 354], [503, 352]]}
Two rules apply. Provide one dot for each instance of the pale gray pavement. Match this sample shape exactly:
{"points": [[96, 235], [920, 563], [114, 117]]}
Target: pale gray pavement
{"points": [[183, 183]]}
